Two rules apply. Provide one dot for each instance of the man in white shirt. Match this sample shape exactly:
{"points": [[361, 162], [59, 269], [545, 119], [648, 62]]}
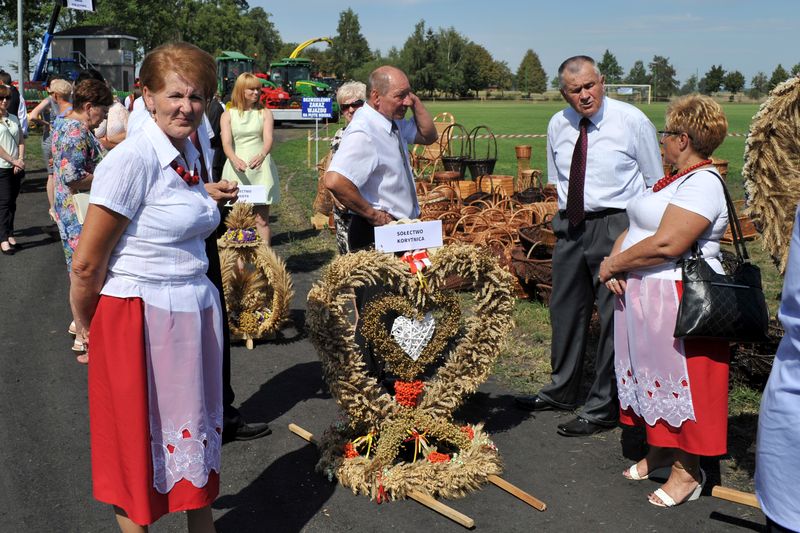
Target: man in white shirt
{"points": [[370, 173], [600, 154]]}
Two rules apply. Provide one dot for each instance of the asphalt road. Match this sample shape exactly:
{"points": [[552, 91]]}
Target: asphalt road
{"points": [[270, 484]]}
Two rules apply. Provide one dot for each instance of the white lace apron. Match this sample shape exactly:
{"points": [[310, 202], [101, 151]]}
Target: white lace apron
{"points": [[650, 364], [183, 346]]}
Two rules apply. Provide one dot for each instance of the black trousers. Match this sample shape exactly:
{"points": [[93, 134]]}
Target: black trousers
{"points": [[10, 184], [360, 233], [361, 236], [230, 414], [576, 262]]}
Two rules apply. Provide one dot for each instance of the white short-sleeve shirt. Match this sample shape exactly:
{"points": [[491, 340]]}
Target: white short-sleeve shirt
{"points": [[369, 156], [699, 192], [165, 240], [622, 158]]}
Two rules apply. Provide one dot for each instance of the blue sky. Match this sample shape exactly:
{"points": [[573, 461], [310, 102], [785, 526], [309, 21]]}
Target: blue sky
{"points": [[748, 36]]}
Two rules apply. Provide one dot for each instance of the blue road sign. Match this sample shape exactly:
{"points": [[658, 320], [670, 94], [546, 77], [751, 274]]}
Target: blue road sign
{"points": [[317, 107]]}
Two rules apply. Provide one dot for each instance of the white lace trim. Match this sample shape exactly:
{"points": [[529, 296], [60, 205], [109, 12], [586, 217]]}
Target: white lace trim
{"points": [[186, 452], [655, 397]]}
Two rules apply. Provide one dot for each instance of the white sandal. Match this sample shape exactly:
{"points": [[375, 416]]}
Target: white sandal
{"points": [[667, 501], [72, 329], [658, 473]]}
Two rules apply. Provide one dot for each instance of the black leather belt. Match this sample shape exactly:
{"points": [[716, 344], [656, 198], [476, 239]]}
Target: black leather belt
{"points": [[591, 215]]}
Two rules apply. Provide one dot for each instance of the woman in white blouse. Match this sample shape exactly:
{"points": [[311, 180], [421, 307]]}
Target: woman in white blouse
{"points": [[677, 389], [140, 288], [12, 169]]}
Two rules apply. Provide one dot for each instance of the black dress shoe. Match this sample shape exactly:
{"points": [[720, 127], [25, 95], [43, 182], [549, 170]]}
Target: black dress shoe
{"points": [[245, 431], [535, 403], [580, 427]]}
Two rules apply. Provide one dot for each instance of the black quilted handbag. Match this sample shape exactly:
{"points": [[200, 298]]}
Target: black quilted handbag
{"points": [[727, 307]]}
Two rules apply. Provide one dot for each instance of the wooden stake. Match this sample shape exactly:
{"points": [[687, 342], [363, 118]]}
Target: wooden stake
{"points": [[537, 504], [736, 496], [432, 503], [302, 433], [308, 149], [425, 499]]}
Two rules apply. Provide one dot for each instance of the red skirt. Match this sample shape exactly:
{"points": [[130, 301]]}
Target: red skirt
{"points": [[707, 363], [122, 464]]}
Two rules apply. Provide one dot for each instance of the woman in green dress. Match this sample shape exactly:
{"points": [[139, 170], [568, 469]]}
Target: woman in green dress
{"points": [[246, 131]]}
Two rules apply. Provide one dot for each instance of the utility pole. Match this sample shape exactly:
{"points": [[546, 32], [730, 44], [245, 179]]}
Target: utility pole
{"points": [[21, 63]]}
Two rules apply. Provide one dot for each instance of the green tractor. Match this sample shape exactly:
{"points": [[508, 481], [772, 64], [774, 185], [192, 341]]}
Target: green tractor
{"points": [[229, 66], [294, 75]]}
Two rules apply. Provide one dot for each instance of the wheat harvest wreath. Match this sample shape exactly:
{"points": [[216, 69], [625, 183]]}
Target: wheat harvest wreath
{"points": [[258, 289], [392, 445]]}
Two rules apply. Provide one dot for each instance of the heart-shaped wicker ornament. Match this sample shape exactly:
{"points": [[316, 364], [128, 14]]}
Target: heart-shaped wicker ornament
{"points": [[392, 444], [408, 358], [413, 335]]}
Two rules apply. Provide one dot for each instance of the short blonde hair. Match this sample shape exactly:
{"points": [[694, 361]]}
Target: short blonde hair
{"points": [[350, 90], [243, 82], [186, 60], [63, 88], [702, 119]]}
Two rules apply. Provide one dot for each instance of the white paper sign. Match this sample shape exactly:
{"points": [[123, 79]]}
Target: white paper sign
{"points": [[83, 5], [404, 237], [252, 194]]}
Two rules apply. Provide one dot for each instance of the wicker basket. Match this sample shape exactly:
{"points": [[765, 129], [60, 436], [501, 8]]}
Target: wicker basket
{"points": [[466, 188], [437, 201], [752, 363], [529, 187], [449, 222], [476, 163], [523, 151], [722, 167], [544, 291], [492, 182], [538, 239], [531, 269], [445, 177], [453, 161], [749, 231]]}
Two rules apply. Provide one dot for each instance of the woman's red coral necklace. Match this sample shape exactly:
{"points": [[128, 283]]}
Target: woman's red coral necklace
{"points": [[666, 180], [191, 178]]}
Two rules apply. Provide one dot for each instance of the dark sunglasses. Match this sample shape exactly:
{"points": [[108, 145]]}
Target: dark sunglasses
{"points": [[5, 98], [354, 105]]}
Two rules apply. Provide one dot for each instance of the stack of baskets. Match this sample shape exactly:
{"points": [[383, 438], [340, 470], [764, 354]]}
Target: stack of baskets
{"points": [[517, 233]]}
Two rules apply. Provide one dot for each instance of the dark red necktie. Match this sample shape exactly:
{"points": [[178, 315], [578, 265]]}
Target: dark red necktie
{"points": [[577, 175], [196, 142]]}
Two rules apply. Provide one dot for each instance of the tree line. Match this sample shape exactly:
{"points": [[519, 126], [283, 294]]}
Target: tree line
{"points": [[660, 74], [440, 61]]}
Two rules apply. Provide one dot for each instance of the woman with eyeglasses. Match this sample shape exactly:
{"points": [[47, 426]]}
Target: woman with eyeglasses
{"points": [[57, 103], [12, 170], [677, 389], [351, 97], [246, 131]]}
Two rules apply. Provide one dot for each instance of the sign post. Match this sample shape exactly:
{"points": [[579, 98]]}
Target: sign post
{"points": [[317, 108]]}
